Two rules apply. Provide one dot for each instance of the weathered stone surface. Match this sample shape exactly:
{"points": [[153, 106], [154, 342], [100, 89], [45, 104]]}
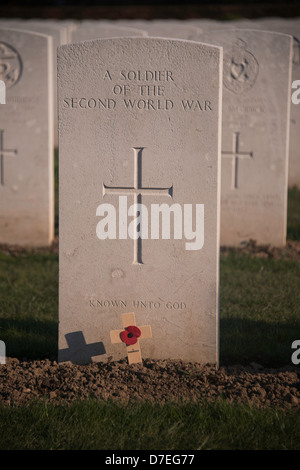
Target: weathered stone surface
{"points": [[176, 29], [145, 126], [59, 37], [290, 26], [255, 135], [26, 126]]}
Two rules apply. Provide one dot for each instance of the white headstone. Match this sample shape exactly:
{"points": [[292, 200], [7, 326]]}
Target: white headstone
{"points": [[2, 352], [255, 131], [63, 27], [88, 30], [176, 29], [58, 36], [143, 128], [26, 139], [291, 27], [70, 25]]}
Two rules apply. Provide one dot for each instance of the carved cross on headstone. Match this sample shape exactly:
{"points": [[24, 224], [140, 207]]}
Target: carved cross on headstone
{"points": [[137, 190], [2, 92], [3, 153], [131, 334], [235, 154]]}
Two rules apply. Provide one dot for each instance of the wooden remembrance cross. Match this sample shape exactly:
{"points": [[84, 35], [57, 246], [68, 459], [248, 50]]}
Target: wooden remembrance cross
{"points": [[133, 333]]}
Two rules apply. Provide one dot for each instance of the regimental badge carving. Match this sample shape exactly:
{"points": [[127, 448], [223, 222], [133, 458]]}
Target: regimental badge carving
{"points": [[240, 68], [10, 65]]}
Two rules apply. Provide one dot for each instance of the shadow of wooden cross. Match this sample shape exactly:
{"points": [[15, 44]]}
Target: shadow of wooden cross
{"points": [[78, 351], [130, 335]]}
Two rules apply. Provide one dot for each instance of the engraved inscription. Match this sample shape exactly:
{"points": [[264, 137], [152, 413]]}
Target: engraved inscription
{"points": [[3, 153], [102, 304], [240, 68], [251, 113], [139, 90], [24, 100], [146, 75], [231, 202], [10, 65], [137, 190], [235, 155]]}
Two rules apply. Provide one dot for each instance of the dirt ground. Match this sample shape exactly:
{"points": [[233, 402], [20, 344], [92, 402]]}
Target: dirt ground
{"points": [[157, 381]]}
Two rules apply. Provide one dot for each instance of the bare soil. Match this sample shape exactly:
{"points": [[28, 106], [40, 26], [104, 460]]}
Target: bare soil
{"points": [[157, 381]]}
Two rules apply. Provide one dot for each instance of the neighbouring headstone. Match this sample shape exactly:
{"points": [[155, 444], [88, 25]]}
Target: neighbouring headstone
{"points": [[176, 29], [289, 26], [26, 139], [71, 26], [88, 30], [63, 27], [255, 135], [2, 352], [59, 37], [2, 92], [139, 196], [208, 24]]}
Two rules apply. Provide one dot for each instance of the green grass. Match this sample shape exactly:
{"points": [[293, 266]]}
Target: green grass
{"points": [[260, 310], [90, 426], [29, 305], [293, 221]]}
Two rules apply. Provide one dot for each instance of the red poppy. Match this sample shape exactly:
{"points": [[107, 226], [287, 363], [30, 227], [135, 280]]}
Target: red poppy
{"points": [[130, 335]]}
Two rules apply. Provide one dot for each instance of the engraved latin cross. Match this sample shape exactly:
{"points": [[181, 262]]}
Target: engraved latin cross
{"points": [[137, 191], [235, 154], [3, 153]]}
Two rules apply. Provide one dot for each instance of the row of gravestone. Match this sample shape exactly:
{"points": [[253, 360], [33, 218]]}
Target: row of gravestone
{"points": [[144, 123]]}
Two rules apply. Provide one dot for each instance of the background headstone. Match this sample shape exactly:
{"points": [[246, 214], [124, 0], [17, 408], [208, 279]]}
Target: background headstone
{"points": [[2, 92], [177, 29], [90, 29], [147, 121], [26, 145], [70, 25], [59, 37], [289, 26], [255, 135]]}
